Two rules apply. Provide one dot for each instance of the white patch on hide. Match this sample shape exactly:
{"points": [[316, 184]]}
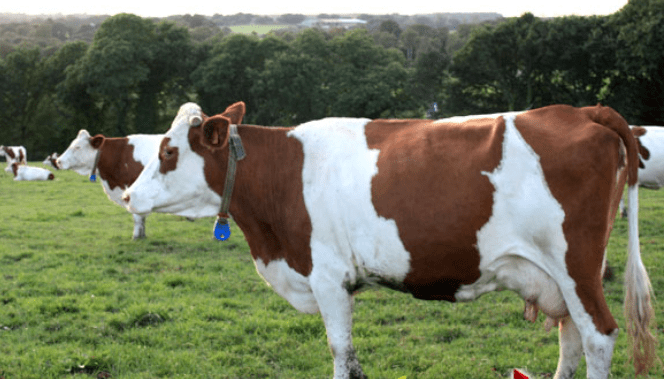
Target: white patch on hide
{"points": [[522, 246], [288, 283], [350, 242]]}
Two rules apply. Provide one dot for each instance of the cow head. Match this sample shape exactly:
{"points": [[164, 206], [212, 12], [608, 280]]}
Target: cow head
{"points": [[51, 160], [177, 179], [81, 153]]}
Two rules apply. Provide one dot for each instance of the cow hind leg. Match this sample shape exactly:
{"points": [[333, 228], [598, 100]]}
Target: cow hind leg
{"points": [[571, 349], [623, 208], [597, 331], [556, 295], [598, 351], [335, 305], [139, 226]]}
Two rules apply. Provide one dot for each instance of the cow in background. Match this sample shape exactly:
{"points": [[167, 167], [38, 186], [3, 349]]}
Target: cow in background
{"points": [[443, 210], [29, 173], [13, 154], [650, 140], [51, 160], [118, 161]]}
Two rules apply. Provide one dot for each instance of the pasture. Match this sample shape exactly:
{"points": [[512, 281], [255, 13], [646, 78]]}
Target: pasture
{"points": [[258, 29], [79, 298]]}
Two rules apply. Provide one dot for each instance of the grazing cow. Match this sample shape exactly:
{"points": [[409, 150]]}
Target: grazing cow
{"points": [[118, 161], [443, 210], [51, 160], [25, 172], [650, 140], [13, 154]]}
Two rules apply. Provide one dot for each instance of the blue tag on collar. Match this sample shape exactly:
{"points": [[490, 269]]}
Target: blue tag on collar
{"points": [[93, 178], [221, 229]]}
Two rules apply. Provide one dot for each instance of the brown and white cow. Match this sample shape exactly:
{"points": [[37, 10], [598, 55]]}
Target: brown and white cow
{"points": [[444, 210], [29, 173], [13, 154], [118, 161]]}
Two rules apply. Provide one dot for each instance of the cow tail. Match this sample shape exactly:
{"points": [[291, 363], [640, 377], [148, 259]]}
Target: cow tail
{"points": [[639, 313]]}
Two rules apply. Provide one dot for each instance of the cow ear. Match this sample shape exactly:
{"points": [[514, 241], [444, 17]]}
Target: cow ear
{"points": [[638, 131], [235, 112], [195, 121], [214, 131], [96, 141]]}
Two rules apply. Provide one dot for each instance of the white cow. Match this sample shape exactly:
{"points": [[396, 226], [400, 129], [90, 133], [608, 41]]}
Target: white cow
{"points": [[650, 140], [119, 161], [51, 160], [25, 172]]}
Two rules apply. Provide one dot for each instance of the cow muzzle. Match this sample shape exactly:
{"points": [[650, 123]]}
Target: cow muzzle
{"points": [[137, 203]]}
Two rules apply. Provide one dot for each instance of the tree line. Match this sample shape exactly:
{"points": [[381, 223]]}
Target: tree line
{"points": [[135, 73]]}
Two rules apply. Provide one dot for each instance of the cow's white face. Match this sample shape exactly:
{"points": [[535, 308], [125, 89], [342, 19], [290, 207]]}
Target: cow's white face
{"points": [[51, 160], [174, 180], [79, 156]]}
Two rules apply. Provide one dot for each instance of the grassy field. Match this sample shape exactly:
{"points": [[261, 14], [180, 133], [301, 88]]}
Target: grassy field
{"points": [[79, 298], [258, 29]]}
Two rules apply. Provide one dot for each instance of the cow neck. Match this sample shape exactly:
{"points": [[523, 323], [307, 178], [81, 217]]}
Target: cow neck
{"points": [[93, 177], [235, 153]]}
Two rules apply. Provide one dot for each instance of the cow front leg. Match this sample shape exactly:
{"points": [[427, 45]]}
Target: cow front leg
{"points": [[139, 226], [335, 304]]}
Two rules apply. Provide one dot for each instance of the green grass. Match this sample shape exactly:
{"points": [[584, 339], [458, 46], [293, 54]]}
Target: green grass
{"points": [[79, 298], [258, 29]]}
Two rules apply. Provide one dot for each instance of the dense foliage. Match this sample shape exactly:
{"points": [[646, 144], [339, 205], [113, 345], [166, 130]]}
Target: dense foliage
{"points": [[134, 73]]}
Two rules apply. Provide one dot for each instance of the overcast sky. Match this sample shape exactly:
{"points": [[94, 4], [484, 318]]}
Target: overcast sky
{"points": [[152, 8]]}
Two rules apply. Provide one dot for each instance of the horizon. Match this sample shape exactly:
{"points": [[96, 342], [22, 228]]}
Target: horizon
{"points": [[342, 7]]}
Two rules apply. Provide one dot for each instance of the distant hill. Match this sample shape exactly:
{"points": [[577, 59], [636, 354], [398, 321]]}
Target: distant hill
{"points": [[50, 31], [434, 19]]}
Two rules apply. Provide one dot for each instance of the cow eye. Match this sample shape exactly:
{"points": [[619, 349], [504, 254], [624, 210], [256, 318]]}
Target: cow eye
{"points": [[167, 152]]}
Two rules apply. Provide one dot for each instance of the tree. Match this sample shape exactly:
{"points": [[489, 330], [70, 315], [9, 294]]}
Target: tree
{"points": [[291, 19], [292, 87], [130, 70], [116, 64], [426, 48], [21, 85], [224, 76], [366, 80], [171, 60], [500, 66], [580, 54], [62, 113], [390, 26], [637, 86]]}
